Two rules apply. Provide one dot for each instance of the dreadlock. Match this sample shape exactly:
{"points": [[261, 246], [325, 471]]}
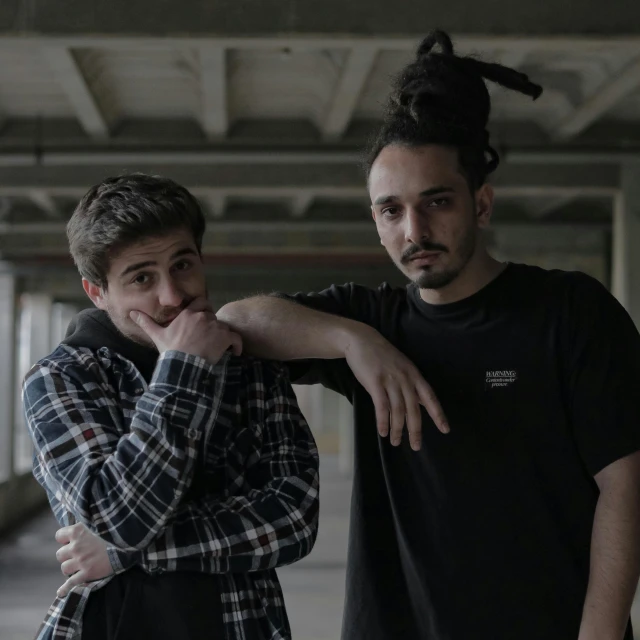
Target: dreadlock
{"points": [[441, 98]]}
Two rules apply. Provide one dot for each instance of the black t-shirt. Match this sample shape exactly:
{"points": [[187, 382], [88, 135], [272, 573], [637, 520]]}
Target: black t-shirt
{"points": [[486, 532]]}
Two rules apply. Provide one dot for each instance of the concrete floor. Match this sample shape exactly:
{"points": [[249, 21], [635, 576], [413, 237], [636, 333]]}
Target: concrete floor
{"points": [[314, 587]]}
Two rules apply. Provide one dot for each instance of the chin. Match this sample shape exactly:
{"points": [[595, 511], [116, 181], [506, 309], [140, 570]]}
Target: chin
{"points": [[134, 333], [435, 279]]}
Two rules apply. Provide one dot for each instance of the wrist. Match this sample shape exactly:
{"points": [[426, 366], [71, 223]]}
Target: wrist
{"points": [[350, 334]]}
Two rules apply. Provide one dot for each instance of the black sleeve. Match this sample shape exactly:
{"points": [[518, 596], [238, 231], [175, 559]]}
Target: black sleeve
{"points": [[349, 301], [604, 376]]}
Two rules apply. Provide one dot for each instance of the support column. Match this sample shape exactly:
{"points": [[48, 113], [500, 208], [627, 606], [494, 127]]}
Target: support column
{"points": [[346, 436], [34, 343], [626, 241], [7, 372], [61, 316]]}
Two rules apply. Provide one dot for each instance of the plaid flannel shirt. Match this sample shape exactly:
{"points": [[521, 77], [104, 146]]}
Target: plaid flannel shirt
{"points": [[119, 456]]}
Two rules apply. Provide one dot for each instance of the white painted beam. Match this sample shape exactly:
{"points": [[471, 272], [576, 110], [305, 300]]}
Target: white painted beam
{"points": [[5, 207], [279, 226], [545, 156], [552, 204], [513, 58], [44, 201], [214, 116], [602, 100], [300, 204], [348, 90], [68, 73], [217, 202], [626, 234], [464, 42], [344, 180]]}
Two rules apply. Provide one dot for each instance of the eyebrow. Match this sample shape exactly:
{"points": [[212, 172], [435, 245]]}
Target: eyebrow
{"points": [[434, 191], [150, 263]]}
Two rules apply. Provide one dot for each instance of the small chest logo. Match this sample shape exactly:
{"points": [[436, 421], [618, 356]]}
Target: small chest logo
{"points": [[500, 378]]}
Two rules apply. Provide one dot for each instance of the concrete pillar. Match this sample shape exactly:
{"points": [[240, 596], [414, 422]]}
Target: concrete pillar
{"points": [[345, 431], [626, 240], [61, 315], [34, 342], [317, 406], [7, 372]]}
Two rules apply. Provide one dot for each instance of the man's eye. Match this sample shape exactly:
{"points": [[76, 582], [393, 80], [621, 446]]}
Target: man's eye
{"points": [[183, 265], [439, 202], [390, 211], [141, 278]]}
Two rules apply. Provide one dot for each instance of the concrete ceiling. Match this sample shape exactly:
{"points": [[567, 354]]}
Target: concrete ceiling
{"points": [[262, 110]]}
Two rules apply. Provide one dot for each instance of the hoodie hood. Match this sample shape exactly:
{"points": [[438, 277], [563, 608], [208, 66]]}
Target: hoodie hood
{"points": [[93, 329]]}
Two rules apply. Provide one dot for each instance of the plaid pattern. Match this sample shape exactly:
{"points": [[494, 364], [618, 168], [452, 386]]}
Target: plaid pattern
{"points": [[121, 456]]}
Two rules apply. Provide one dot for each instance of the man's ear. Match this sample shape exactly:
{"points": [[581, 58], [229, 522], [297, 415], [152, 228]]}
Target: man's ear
{"points": [[95, 293], [484, 205]]}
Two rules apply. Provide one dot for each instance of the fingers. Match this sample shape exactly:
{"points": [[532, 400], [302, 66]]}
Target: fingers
{"points": [[381, 404], [431, 403], [63, 553], [69, 567], [63, 536], [414, 420], [146, 323], [396, 402], [75, 580]]}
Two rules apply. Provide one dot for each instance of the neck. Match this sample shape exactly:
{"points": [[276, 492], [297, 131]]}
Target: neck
{"points": [[475, 275]]}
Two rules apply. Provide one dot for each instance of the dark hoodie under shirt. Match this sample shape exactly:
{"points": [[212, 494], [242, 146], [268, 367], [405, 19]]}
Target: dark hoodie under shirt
{"points": [[125, 608]]}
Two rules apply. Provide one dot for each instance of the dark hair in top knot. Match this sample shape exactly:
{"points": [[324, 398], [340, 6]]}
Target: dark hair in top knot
{"points": [[441, 98]]}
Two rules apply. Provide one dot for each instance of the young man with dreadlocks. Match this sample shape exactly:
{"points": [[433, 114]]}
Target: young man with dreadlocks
{"points": [[520, 517]]}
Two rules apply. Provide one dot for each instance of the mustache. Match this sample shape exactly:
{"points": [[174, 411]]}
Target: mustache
{"points": [[171, 312], [422, 246]]}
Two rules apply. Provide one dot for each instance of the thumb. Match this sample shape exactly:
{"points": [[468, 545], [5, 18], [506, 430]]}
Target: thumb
{"points": [[145, 322]]}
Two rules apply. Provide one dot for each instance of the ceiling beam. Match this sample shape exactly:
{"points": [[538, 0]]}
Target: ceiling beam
{"points": [[5, 207], [345, 98], [214, 116], [465, 42], [45, 201], [300, 204], [288, 177], [65, 66], [255, 229], [232, 155], [602, 100], [335, 18], [550, 205], [217, 202]]}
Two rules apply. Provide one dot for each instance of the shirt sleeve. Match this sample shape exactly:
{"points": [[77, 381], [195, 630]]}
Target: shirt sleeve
{"points": [[604, 376], [123, 488], [273, 519]]}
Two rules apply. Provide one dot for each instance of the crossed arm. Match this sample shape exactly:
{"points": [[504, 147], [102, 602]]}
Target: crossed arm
{"points": [[271, 522]]}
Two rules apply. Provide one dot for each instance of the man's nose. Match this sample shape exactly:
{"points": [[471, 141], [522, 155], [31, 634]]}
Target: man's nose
{"points": [[416, 228], [170, 295]]}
